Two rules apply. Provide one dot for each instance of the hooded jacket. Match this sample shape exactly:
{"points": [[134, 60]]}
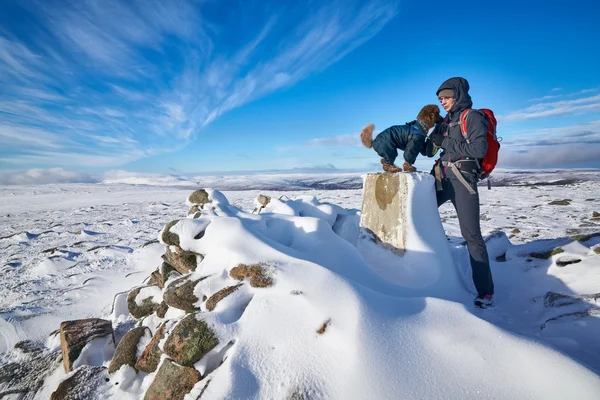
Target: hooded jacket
{"points": [[455, 146]]}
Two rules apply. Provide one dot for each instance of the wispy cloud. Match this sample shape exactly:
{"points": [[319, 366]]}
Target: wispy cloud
{"points": [[105, 83], [555, 108]]}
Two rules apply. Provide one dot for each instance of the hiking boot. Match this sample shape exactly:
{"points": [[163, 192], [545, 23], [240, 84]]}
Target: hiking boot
{"points": [[389, 168], [485, 301], [408, 168]]}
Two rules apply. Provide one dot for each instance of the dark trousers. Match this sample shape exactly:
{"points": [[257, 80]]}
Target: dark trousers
{"points": [[467, 210]]}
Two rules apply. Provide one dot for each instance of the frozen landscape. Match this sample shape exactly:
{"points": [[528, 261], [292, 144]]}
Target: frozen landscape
{"points": [[333, 325]]}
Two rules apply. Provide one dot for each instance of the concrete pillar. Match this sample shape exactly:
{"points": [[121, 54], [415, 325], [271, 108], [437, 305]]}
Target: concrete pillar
{"points": [[402, 237]]}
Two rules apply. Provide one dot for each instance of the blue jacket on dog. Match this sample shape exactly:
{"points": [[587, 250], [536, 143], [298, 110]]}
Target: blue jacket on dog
{"points": [[409, 137]]}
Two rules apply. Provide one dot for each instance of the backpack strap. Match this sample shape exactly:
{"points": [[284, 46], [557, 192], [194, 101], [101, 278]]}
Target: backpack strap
{"points": [[463, 123]]}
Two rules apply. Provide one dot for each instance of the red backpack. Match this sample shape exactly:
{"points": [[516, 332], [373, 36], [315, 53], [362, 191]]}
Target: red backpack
{"points": [[491, 156]]}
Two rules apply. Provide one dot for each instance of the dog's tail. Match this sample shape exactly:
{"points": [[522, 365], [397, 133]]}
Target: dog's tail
{"points": [[366, 136]]}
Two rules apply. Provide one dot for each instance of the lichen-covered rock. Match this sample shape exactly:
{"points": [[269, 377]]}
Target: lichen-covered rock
{"points": [[147, 306], [199, 197], [194, 209], [166, 270], [74, 335], [150, 357], [220, 295], [126, 352], [180, 294], [22, 372], [169, 238], [263, 200], [172, 382], [182, 261], [189, 341], [83, 384], [162, 309], [257, 274], [157, 279]]}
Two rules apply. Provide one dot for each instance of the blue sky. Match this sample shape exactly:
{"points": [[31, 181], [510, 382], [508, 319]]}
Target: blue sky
{"points": [[200, 86]]}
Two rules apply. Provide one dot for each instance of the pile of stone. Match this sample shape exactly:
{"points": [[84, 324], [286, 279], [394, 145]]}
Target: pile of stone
{"points": [[181, 337]]}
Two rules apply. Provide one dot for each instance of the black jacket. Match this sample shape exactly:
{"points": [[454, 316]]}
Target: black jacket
{"points": [[455, 146]]}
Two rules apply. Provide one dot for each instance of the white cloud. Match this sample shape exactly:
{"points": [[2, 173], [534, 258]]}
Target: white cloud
{"points": [[38, 176]]}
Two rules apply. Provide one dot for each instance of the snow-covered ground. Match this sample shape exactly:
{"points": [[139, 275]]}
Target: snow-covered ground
{"points": [[66, 250]]}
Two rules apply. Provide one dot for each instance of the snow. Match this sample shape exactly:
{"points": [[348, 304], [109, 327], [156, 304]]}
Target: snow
{"points": [[395, 327]]}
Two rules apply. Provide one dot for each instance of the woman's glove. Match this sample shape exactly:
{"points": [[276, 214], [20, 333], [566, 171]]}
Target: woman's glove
{"points": [[437, 139]]}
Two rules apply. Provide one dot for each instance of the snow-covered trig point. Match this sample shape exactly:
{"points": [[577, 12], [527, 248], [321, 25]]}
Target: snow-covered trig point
{"points": [[399, 213]]}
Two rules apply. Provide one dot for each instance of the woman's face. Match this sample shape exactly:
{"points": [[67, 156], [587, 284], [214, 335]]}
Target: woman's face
{"points": [[447, 103]]}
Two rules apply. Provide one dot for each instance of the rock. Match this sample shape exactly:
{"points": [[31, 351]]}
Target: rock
{"points": [[182, 261], [126, 352], [189, 341], [564, 202], [166, 270], [169, 238], [157, 279], [193, 209], [150, 357], [180, 294], [564, 261], [83, 384], [199, 197], [595, 214], [263, 200], [162, 310], [22, 372], [256, 273], [163, 386], [74, 335], [516, 230], [139, 311], [220, 295]]}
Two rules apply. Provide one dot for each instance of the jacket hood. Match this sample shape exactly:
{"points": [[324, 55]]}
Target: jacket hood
{"points": [[460, 86]]}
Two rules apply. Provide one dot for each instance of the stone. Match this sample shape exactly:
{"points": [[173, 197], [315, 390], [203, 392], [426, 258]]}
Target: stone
{"points": [[172, 382], [257, 274], [126, 352], [150, 357], [139, 311], [169, 238], [220, 295], [564, 202], [194, 209], [162, 309], [199, 197], [83, 384], [263, 200], [165, 270], [74, 335], [189, 341], [182, 261], [157, 279], [180, 294]]}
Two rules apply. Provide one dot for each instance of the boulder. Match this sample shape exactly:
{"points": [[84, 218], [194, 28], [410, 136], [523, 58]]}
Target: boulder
{"points": [[182, 261], [150, 357], [168, 238], [83, 384], [257, 274], [199, 197], [147, 307], [180, 294], [74, 335], [212, 302], [194, 209], [162, 309], [172, 382], [166, 270], [189, 341], [126, 352], [156, 278]]}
